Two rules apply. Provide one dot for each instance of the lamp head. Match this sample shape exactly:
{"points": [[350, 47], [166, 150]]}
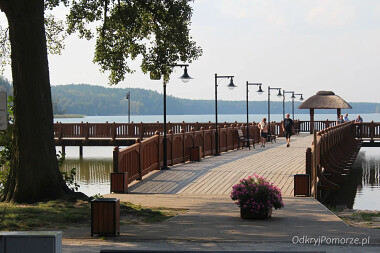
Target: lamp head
{"points": [[301, 98], [260, 91], [128, 95], [279, 93], [185, 77], [293, 97], [231, 86]]}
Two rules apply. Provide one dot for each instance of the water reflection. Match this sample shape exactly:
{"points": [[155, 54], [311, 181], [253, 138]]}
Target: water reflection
{"points": [[92, 176], [362, 188], [368, 191], [92, 171]]}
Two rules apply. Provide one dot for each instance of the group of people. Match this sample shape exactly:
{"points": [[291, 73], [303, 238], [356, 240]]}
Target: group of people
{"points": [[287, 127], [342, 119]]}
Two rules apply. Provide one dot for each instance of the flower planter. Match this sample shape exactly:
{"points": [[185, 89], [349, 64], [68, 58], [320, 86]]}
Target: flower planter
{"points": [[248, 214]]}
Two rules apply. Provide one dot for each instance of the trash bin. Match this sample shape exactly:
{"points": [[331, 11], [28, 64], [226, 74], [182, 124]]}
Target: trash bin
{"points": [[105, 216], [302, 185], [119, 182], [196, 153]]}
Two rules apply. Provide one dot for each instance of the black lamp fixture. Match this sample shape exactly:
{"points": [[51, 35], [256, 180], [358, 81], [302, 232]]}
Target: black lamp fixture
{"points": [[185, 78], [231, 86], [278, 95], [283, 101], [259, 91], [293, 97]]}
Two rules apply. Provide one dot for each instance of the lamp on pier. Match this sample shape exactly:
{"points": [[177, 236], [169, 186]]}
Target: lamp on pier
{"points": [[184, 78], [293, 97], [283, 101], [259, 91], [278, 95], [231, 86], [128, 96]]}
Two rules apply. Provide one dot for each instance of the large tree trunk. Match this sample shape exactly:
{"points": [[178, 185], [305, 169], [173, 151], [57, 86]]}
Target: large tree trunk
{"points": [[34, 174]]}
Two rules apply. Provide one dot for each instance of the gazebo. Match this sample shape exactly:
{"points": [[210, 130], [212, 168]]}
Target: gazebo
{"points": [[324, 100]]}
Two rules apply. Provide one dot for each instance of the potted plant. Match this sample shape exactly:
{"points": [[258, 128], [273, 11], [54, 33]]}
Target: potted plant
{"points": [[256, 197]]}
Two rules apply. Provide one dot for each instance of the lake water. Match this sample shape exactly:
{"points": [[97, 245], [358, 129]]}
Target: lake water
{"points": [[368, 189], [208, 117], [93, 170]]}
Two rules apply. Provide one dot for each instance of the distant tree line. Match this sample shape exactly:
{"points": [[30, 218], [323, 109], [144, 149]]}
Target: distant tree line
{"points": [[97, 100]]}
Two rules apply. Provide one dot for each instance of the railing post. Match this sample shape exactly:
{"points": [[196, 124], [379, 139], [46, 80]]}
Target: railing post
{"points": [[86, 131], [203, 140], [141, 132], [60, 131], [113, 131], [183, 145], [141, 159], [308, 162], [315, 151], [116, 159], [372, 131]]}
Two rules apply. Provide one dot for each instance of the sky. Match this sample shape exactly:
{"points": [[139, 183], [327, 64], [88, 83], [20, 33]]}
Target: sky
{"points": [[297, 45]]}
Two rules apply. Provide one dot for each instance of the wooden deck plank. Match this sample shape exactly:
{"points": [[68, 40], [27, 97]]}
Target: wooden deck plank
{"points": [[217, 175]]}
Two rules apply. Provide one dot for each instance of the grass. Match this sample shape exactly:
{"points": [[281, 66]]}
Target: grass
{"points": [[359, 218], [52, 214], [135, 214], [60, 214]]}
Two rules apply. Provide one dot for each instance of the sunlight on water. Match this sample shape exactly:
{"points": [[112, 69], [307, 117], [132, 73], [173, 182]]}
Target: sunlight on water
{"points": [[92, 171], [367, 195]]}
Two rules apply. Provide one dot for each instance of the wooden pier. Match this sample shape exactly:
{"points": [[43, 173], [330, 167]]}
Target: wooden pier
{"points": [[216, 175]]}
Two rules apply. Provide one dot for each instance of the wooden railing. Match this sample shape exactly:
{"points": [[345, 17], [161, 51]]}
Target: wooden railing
{"points": [[123, 130], [145, 156], [328, 161], [143, 130]]}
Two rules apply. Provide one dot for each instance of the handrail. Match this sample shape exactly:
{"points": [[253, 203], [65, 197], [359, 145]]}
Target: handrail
{"points": [[145, 156], [332, 152], [143, 130]]}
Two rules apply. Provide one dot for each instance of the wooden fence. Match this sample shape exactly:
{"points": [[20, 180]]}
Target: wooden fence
{"points": [[145, 156], [329, 159]]}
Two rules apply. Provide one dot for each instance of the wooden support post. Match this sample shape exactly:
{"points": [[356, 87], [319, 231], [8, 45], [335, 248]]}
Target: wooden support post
{"points": [[315, 174], [63, 151], [116, 159], [311, 120], [81, 151]]}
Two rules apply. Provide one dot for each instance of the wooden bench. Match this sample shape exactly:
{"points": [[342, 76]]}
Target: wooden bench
{"points": [[244, 140]]}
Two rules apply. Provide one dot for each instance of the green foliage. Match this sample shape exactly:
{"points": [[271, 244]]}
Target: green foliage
{"points": [[6, 140], [154, 29], [55, 36], [69, 178]]}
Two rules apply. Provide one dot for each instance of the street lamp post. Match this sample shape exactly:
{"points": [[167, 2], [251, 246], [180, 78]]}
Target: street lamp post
{"points": [[283, 101], [185, 78], [231, 85], [128, 96], [260, 91], [278, 95], [293, 97]]}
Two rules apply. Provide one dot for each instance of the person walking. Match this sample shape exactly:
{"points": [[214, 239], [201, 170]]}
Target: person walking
{"points": [[287, 127], [263, 126]]}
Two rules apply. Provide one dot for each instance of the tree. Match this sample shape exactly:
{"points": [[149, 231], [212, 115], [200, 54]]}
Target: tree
{"points": [[128, 27]]}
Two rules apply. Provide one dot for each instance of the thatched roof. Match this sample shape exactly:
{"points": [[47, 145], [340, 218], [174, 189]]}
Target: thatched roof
{"points": [[325, 100]]}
